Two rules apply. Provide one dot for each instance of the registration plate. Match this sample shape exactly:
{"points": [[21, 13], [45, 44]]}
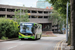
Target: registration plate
{"points": [[25, 38]]}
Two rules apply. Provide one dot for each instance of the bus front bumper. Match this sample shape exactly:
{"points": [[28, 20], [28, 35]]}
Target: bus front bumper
{"points": [[32, 37]]}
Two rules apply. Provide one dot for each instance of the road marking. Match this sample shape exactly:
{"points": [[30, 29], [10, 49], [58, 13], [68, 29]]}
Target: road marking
{"points": [[61, 45], [12, 47], [58, 45], [22, 44], [56, 48], [16, 46]]}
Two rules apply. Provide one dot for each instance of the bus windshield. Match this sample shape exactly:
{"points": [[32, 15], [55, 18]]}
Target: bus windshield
{"points": [[26, 29]]}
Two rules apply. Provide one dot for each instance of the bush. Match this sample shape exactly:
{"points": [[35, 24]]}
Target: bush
{"points": [[4, 38], [8, 28]]}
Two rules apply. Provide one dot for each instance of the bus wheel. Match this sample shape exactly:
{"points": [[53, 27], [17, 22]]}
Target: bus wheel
{"points": [[40, 37], [22, 39], [36, 37]]}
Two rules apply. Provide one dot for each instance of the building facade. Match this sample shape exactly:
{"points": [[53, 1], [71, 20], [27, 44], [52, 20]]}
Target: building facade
{"points": [[37, 15], [42, 4]]}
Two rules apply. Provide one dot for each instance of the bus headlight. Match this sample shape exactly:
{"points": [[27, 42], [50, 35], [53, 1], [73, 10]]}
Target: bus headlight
{"points": [[32, 34]]}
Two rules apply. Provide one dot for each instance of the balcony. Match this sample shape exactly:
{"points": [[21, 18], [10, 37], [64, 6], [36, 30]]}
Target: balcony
{"points": [[39, 14], [54, 27], [3, 12], [40, 20]]}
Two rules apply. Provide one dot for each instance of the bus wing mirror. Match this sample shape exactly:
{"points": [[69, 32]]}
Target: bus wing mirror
{"points": [[36, 26]]}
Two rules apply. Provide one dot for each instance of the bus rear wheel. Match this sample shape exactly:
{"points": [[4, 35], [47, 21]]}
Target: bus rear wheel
{"points": [[36, 38], [40, 37]]}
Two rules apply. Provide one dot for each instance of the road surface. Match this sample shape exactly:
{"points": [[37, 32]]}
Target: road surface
{"points": [[45, 43]]}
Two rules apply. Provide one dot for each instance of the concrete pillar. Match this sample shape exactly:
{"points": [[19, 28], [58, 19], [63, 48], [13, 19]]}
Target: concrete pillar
{"points": [[6, 16], [43, 16], [30, 16], [43, 12], [30, 11], [48, 12], [37, 11], [51, 27], [48, 17], [23, 11], [36, 16], [6, 13]]}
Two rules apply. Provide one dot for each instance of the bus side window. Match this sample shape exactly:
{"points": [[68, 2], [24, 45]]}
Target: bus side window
{"points": [[39, 27], [21, 24]]}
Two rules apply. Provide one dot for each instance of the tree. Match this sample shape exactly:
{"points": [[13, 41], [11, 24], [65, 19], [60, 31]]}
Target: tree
{"points": [[56, 19], [72, 23], [23, 17], [60, 7]]}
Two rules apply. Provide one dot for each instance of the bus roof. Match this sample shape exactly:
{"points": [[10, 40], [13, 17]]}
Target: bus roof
{"points": [[30, 22], [27, 22]]}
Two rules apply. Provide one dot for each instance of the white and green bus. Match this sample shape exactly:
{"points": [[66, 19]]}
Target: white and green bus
{"points": [[30, 30]]}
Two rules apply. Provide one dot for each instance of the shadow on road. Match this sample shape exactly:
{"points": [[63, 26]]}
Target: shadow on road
{"points": [[28, 40]]}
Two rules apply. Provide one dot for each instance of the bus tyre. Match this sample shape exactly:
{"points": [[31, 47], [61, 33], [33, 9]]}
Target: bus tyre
{"points": [[22, 39], [36, 37], [40, 37]]}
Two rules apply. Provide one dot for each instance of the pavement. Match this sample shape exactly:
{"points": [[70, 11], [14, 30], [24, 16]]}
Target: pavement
{"points": [[9, 39], [45, 43], [65, 46]]}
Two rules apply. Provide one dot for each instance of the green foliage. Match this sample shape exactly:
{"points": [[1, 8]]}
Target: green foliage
{"points": [[57, 19], [21, 18], [4, 38], [8, 28], [60, 7]]}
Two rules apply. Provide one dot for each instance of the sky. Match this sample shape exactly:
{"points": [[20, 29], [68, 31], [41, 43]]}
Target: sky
{"points": [[27, 3]]}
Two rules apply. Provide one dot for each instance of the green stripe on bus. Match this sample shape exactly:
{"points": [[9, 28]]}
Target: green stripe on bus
{"points": [[33, 37]]}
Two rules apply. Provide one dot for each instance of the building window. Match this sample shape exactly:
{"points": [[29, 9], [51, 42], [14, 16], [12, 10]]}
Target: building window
{"points": [[2, 9], [34, 12], [46, 12], [24, 11], [10, 16], [40, 16], [45, 16], [28, 11], [29, 16], [11, 10], [2, 15], [39, 11], [52, 29], [33, 17], [53, 26]]}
